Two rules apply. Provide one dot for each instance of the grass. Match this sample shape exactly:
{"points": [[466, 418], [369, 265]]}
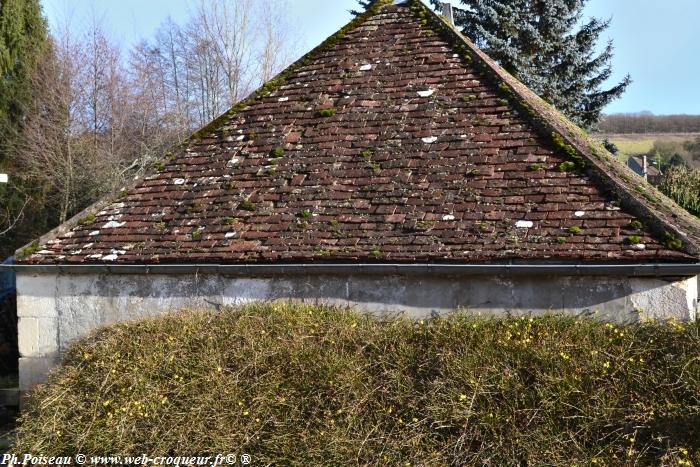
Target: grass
{"points": [[636, 144], [301, 385], [633, 145]]}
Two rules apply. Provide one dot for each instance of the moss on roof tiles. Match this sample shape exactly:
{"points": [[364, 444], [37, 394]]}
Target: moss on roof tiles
{"points": [[270, 86], [581, 153], [570, 139]]}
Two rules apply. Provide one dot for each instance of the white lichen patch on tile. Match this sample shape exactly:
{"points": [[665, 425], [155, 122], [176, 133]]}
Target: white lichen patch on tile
{"points": [[283, 99], [88, 246], [366, 67], [579, 213], [639, 246], [230, 235], [179, 181], [96, 256], [426, 93], [524, 224], [114, 255], [448, 217], [240, 138], [113, 225], [429, 139], [93, 233], [44, 252]]}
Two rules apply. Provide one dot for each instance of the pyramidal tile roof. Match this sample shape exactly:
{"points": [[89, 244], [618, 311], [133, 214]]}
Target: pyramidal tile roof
{"points": [[396, 140]]}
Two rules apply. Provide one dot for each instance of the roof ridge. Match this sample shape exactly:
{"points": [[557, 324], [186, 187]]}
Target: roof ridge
{"points": [[652, 205]]}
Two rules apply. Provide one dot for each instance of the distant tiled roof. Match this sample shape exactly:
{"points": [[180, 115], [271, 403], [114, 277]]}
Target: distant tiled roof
{"points": [[637, 164], [395, 140]]}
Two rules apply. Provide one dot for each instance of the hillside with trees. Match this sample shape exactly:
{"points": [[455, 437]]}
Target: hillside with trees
{"points": [[644, 123]]}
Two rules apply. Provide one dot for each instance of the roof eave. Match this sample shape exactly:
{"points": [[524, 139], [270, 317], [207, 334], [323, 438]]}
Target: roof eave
{"points": [[400, 269]]}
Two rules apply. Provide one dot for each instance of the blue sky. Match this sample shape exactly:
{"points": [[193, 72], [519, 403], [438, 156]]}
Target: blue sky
{"points": [[658, 44]]}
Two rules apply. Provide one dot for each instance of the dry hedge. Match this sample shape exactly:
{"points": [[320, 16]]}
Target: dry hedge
{"points": [[300, 385]]}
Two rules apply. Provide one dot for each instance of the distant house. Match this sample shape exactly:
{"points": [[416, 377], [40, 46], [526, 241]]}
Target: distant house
{"points": [[396, 167], [642, 167]]}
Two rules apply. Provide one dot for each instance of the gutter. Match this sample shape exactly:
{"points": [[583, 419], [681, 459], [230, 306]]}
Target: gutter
{"points": [[382, 269]]}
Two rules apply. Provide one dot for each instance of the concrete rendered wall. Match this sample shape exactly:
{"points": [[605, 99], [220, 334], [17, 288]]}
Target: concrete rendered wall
{"points": [[54, 309]]}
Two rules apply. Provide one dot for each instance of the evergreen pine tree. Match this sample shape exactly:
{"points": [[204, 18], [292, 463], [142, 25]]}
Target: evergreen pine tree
{"points": [[364, 4], [541, 43], [23, 35]]}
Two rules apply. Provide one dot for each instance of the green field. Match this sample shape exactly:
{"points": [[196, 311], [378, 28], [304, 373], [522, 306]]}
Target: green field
{"points": [[636, 144]]}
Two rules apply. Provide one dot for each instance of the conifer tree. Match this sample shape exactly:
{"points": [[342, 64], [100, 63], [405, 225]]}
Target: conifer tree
{"points": [[364, 4], [23, 35], [544, 44]]}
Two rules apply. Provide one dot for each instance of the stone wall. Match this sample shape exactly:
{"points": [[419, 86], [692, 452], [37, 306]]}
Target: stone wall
{"points": [[56, 309]]}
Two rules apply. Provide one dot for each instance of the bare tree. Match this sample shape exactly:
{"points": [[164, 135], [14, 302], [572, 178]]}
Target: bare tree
{"points": [[101, 115], [75, 140], [47, 156], [275, 42], [228, 31]]}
